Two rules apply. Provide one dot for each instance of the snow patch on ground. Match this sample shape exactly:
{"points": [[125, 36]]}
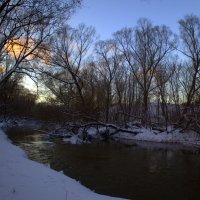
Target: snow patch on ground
{"points": [[20, 122], [74, 139], [187, 138], [23, 179]]}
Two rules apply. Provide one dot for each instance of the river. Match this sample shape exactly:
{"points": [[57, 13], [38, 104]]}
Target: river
{"points": [[133, 170]]}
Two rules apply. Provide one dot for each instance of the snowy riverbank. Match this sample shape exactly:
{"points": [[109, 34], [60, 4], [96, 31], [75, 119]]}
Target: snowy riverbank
{"points": [[22, 179], [188, 138]]}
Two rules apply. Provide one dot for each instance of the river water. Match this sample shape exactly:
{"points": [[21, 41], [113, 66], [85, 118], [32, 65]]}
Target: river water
{"points": [[133, 170]]}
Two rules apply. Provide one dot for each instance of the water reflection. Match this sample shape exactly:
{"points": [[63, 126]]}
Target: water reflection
{"points": [[134, 170]]}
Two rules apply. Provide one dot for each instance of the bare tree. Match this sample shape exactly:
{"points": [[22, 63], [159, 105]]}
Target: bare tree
{"points": [[93, 89], [145, 48], [190, 48], [24, 26], [68, 49], [108, 62], [162, 76]]}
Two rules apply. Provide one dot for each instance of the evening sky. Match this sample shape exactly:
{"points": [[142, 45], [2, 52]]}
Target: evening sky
{"points": [[109, 16]]}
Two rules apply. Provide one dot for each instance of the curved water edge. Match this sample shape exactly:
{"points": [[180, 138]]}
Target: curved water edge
{"points": [[129, 169]]}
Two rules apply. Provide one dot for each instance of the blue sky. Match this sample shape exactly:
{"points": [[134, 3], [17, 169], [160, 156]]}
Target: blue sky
{"points": [[108, 16]]}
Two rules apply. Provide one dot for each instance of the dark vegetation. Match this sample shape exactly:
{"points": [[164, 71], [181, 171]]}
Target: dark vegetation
{"points": [[146, 74]]}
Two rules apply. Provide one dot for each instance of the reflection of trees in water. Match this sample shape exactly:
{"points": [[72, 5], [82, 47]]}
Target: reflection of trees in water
{"points": [[166, 157], [160, 172]]}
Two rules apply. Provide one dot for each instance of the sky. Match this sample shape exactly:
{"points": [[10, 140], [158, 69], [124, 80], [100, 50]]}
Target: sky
{"points": [[109, 16]]}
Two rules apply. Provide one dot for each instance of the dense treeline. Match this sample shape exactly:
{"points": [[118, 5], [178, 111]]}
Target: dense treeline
{"points": [[15, 99], [145, 73], [25, 27]]}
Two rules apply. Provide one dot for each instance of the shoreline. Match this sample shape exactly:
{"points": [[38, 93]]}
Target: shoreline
{"points": [[23, 179], [187, 138]]}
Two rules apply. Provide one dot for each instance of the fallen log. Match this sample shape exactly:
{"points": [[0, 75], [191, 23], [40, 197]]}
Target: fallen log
{"points": [[112, 126]]}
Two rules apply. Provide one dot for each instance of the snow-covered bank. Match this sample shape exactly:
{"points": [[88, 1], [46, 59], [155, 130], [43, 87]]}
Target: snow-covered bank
{"points": [[23, 179], [187, 138]]}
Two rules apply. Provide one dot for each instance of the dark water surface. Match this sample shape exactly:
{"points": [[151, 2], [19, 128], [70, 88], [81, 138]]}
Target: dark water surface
{"points": [[140, 171]]}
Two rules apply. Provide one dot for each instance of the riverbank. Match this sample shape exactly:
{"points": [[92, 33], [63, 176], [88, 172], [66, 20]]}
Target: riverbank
{"points": [[23, 179], [187, 138], [173, 136]]}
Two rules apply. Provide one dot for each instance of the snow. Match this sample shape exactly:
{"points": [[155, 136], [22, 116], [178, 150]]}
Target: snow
{"points": [[22, 179], [20, 122], [187, 138], [74, 139]]}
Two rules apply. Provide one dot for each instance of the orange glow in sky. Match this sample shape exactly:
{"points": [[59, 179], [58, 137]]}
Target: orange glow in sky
{"points": [[19, 47]]}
